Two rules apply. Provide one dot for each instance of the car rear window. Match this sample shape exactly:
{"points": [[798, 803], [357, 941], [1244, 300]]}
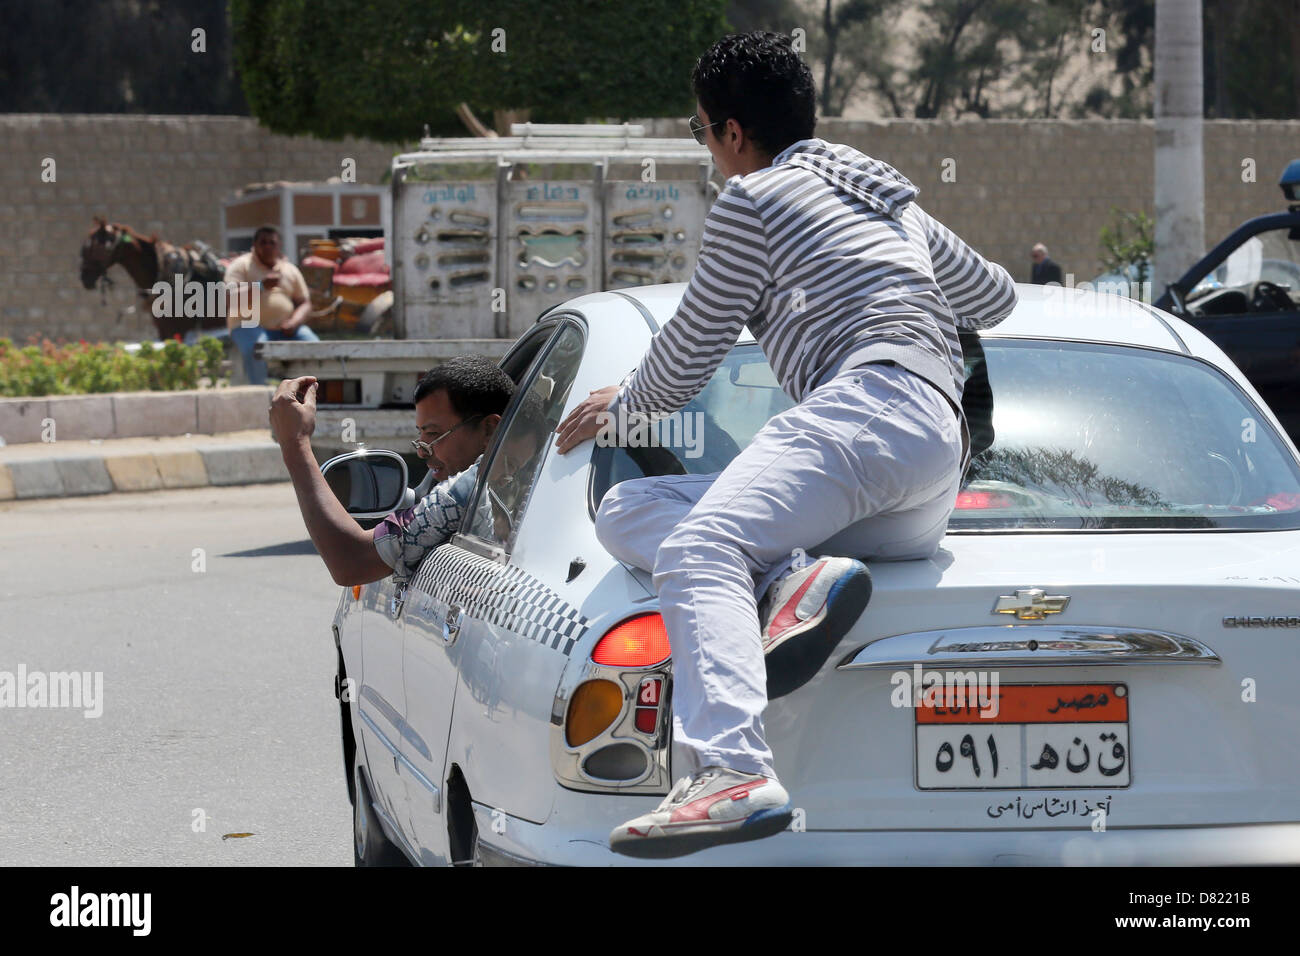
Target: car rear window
{"points": [[1094, 436], [739, 399], [1067, 436]]}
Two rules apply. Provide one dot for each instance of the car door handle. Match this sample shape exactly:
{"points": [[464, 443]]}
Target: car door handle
{"points": [[396, 601], [1030, 645], [451, 624]]}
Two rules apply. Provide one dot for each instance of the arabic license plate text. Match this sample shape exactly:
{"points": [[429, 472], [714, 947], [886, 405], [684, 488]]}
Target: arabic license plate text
{"points": [[1064, 736]]}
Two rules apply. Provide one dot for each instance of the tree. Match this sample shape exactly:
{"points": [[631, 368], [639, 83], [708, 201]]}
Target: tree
{"points": [[319, 67], [778, 16], [1127, 242], [1252, 59], [848, 43], [1134, 21], [117, 56]]}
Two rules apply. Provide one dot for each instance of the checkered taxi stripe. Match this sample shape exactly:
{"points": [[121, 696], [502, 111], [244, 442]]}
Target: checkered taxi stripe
{"points": [[500, 595]]}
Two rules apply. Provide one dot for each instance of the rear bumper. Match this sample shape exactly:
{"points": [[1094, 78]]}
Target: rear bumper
{"points": [[506, 840]]}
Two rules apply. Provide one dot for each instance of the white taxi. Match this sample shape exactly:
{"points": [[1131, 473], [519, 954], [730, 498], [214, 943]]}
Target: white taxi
{"points": [[1098, 667]]}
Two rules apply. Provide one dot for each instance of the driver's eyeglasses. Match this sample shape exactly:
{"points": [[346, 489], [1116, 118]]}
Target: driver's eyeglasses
{"points": [[698, 128], [425, 448]]}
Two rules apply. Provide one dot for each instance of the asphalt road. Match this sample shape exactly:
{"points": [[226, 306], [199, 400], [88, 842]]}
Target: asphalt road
{"points": [[218, 707]]}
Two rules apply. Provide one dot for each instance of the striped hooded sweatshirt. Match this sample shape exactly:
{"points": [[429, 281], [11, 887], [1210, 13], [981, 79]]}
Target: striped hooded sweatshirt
{"points": [[829, 261]]}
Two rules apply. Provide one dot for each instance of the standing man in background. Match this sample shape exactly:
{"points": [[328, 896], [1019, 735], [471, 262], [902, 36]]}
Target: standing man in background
{"points": [[1045, 271]]}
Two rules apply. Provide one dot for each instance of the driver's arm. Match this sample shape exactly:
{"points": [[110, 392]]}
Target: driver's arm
{"points": [[347, 549]]}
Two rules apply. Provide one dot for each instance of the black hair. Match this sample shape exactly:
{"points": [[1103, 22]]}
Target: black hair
{"points": [[475, 385], [262, 230], [760, 81]]}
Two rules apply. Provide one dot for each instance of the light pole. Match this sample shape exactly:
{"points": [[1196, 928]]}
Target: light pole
{"points": [[1180, 165]]}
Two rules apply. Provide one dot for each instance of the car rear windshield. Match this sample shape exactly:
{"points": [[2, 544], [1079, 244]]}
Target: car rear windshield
{"points": [[1066, 435]]}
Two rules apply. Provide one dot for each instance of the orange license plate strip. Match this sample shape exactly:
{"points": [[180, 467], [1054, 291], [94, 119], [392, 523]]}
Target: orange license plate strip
{"points": [[1028, 704]]}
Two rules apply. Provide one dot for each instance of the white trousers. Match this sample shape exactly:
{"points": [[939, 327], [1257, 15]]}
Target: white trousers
{"points": [[866, 466]]}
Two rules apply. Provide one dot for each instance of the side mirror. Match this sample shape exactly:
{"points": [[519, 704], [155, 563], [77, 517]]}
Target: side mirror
{"points": [[370, 483]]}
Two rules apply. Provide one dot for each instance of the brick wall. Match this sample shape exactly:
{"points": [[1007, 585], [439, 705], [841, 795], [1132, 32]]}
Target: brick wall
{"points": [[1017, 182]]}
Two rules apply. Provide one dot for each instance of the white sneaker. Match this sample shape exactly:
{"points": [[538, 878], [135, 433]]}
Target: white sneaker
{"points": [[808, 611], [716, 805]]}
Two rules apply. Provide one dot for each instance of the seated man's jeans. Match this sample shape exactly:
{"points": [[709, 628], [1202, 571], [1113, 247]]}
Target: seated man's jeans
{"points": [[246, 339]]}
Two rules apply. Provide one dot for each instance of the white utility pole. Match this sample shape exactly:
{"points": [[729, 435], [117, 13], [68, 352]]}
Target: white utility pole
{"points": [[1180, 165]]}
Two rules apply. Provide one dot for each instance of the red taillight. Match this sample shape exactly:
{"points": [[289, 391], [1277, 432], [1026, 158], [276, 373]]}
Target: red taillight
{"points": [[638, 642], [983, 499], [647, 704]]}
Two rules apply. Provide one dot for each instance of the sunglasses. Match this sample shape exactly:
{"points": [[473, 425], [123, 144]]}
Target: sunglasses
{"points": [[425, 448], [698, 128]]}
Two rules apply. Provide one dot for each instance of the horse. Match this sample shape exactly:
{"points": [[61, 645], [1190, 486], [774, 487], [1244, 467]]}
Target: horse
{"points": [[147, 260]]}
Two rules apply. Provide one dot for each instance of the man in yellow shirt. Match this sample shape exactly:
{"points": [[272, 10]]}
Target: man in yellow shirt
{"points": [[283, 301]]}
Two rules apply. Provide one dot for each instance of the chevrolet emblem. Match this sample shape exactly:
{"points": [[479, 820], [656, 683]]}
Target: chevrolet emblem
{"points": [[1031, 604]]}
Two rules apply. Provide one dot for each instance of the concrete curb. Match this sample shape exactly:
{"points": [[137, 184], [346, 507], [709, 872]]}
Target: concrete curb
{"points": [[133, 414], [195, 463]]}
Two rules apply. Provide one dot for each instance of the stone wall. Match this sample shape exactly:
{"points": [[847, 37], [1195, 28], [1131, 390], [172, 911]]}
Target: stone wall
{"points": [[164, 174], [1013, 183]]}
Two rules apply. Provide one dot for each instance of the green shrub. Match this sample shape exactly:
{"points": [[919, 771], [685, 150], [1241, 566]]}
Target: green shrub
{"points": [[83, 368]]}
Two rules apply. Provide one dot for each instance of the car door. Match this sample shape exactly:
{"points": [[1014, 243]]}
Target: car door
{"points": [[1259, 328], [381, 701], [442, 600]]}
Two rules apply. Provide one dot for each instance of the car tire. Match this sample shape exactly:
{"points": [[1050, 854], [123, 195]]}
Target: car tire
{"points": [[370, 845]]}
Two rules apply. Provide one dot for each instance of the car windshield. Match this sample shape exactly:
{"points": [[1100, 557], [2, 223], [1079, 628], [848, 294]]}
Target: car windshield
{"points": [[1271, 256], [1075, 436]]}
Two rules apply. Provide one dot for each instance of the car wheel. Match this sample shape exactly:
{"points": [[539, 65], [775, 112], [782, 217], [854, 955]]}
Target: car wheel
{"points": [[370, 846]]}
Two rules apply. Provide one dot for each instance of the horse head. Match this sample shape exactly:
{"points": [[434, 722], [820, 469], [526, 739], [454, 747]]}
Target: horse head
{"points": [[98, 252]]}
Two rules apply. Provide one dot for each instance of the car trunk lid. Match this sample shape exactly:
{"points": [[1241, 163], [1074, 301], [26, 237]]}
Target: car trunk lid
{"points": [[1162, 688]]}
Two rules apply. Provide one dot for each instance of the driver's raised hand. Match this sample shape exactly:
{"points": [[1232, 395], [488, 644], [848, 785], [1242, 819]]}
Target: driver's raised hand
{"points": [[293, 410]]}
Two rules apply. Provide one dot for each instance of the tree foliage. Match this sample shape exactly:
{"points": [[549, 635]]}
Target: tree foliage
{"points": [[1128, 240], [332, 68], [1023, 58], [116, 56]]}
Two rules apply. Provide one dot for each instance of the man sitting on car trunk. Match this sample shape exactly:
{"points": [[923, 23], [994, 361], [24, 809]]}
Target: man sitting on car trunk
{"points": [[855, 295], [458, 406]]}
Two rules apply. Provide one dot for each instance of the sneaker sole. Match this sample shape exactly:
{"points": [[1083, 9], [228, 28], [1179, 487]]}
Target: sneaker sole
{"points": [[760, 824], [797, 659]]}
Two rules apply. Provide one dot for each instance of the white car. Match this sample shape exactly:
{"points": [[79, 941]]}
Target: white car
{"points": [[1098, 667]]}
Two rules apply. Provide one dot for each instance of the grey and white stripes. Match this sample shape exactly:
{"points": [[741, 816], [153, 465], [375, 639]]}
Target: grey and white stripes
{"points": [[829, 261]]}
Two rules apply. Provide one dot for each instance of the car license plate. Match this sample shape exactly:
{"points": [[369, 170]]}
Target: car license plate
{"points": [[1063, 736]]}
